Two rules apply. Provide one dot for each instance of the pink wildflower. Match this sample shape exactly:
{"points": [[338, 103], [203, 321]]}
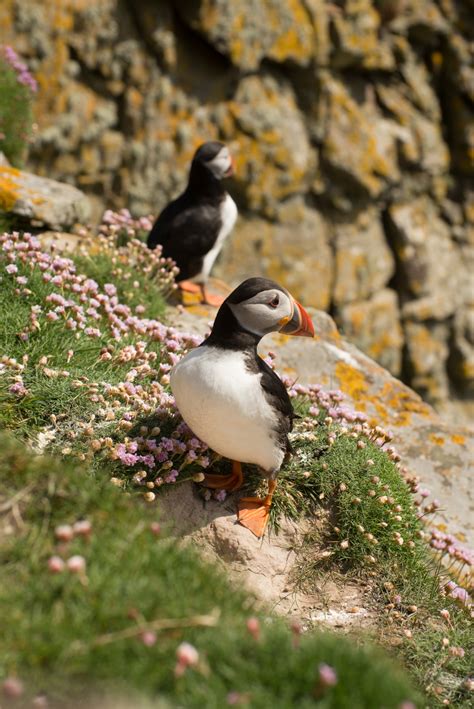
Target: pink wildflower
{"points": [[187, 656], [148, 638], [253, 626], [327, 675], [12, 687], [76, 564], [55, 564]]}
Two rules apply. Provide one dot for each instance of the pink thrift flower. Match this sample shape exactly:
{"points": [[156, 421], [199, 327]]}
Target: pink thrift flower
{"points": [[64, 532], [11, 268], [12, 687], [76, 564], [148, 638], [187, 656], [82, 527], [327, 675], [55, 564], [18, 389], [253, 626]]}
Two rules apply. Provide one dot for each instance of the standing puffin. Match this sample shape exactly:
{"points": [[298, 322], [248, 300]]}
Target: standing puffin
{"points": [[232, 400], [192, 228]]}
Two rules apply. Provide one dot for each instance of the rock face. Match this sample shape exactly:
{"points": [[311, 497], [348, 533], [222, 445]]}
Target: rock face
{"points": [[351, 125]]}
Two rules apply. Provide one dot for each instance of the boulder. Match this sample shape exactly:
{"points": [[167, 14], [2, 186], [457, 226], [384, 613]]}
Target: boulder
{"points": [[41, 200], [156, 24], [274, 156], [363, 261], [357, 40], [422, 21], [359, 145], [427, 355], [427, 257], [248, 31], [267, 567], [294, 251], [461, 361], [374, 326], [421, 145]]}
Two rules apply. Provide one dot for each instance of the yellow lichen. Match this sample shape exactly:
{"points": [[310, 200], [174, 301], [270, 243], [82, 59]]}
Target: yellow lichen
{"points": [[352, 382], [8, 187]]}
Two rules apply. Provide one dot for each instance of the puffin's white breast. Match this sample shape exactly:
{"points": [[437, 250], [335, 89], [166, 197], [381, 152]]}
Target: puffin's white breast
{"points": [[224, 405], [228, 218]]}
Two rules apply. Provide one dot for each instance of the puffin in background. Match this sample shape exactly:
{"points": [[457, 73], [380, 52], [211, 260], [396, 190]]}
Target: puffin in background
{"points": [[192, 228], [232, 400]]}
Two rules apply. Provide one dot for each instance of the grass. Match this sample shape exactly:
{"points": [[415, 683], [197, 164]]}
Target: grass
{"points": [[15, 114], [104, 402], [54, 631]]}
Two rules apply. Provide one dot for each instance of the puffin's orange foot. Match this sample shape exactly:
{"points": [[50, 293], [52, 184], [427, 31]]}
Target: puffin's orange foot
{"points": [[222, 482], [254, 513], [189, 287], [231, 482], [214, 300]]}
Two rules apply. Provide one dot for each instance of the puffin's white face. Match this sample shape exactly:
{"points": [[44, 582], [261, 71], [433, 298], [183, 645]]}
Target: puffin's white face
{"points": [[221, 165], [267, 311]]}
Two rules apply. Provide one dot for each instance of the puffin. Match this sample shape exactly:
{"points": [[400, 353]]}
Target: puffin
{"points": [[232, 400], [192, 229]]}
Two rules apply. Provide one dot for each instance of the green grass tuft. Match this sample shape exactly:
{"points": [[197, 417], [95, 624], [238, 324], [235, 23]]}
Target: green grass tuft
{"points": [[15, 115], [52, 630]]}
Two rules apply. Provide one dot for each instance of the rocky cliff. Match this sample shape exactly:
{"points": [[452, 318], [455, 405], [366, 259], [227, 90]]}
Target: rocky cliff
{"points": [[351, 124]]}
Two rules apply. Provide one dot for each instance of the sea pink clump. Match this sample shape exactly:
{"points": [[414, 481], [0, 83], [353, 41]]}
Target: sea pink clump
{"points": [[327, 675], [23, 75]]}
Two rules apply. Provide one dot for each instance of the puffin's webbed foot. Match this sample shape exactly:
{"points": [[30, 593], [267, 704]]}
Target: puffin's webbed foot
{"points": [[254, 512], [231, 482], [210, 299], [189, 287]]}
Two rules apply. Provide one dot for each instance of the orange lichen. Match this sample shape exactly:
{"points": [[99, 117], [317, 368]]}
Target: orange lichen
{"points": [[458, 439], [8, 187], [437, 440]]}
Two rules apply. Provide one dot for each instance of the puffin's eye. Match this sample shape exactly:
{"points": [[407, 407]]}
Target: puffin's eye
{"points": [[274, 303]]}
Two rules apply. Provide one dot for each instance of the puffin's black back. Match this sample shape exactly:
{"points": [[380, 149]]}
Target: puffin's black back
{"points": [[188, 227]]}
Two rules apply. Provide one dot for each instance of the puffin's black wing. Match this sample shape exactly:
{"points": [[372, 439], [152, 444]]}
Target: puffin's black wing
{"points": [[187, 232], [277, 396]]}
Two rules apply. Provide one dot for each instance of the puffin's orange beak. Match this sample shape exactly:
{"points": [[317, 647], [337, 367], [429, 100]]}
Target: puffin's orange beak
{"points": [[299, 324], [231, 169]]}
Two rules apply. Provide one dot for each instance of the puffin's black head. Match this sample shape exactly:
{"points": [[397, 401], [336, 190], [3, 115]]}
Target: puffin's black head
{"points": [[255, 308], [215, 157]]}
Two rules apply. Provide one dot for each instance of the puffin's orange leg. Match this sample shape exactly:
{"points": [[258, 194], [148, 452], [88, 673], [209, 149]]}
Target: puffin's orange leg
{"points": [[189, 287], [254, 512], [231, 482], [209, 299]]}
